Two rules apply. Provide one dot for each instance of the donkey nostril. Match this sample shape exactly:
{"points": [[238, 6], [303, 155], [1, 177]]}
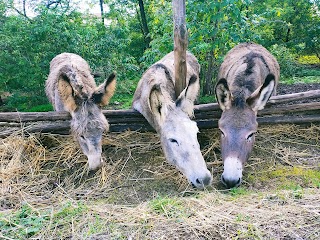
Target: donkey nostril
{"points": [[239, 180], [230, 183], [222, 179], [204, 181], [207, 180]]}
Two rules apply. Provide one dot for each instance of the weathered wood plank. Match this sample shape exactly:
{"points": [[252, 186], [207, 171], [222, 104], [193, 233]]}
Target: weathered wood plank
{"points": [[206, 115], [294, 97], [63, 127], [274, 100], [33, 116], [301, 107], [199, 109]]}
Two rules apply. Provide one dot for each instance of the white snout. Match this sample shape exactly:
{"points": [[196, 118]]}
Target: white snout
{"points": [[198, 174], [202, 179], [95, 161], [232, 173]]}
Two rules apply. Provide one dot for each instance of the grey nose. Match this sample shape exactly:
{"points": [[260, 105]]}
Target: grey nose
{"points": [[204, 181], [230, 183]]}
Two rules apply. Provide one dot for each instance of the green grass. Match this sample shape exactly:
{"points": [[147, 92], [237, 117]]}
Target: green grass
{"points": [[41, 108], [308, 177], [24, 223], [306, 79], [239, 191], [168, 207]]}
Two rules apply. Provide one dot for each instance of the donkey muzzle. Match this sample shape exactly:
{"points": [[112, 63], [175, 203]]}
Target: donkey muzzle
{"points": [[232, 174], [95, 161]]}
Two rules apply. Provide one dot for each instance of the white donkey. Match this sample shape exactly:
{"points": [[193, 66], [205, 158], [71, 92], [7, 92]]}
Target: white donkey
{"points": [[170, 116], [71, 87]]}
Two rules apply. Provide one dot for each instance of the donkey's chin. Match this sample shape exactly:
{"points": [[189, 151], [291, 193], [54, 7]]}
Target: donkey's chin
{"points": [[95, 162]]}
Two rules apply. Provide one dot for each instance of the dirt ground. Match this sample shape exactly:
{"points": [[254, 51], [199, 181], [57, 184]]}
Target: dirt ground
{"points": [[298, 87]]}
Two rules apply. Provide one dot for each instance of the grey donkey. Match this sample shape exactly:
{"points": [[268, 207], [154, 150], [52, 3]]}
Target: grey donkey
{"points": [[247, 78], [71, 87]]}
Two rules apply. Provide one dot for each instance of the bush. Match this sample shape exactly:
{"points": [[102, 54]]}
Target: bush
{"points": [[286, 59], [309, 59]]}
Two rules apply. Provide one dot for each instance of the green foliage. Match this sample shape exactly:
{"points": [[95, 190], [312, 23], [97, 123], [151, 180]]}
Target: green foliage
{"points": [[291, 70], [29, 46], [206, 99], [290, 29], [286, 60], [309, 59]]}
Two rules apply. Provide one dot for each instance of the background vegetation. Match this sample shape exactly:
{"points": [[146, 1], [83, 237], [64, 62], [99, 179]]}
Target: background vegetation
{"points": [[131, 35]]}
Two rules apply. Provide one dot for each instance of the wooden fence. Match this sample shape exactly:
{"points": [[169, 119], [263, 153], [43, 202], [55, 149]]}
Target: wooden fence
{"points": [[298, 108]]}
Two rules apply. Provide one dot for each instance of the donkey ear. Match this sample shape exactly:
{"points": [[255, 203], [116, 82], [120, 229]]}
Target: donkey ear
{"points": [[66, 84], [223, 94], [159, 103], [105, 91], [261, 95], [186, 99]]}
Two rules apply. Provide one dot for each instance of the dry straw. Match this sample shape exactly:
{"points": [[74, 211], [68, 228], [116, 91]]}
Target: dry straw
{"points": [[137, 195]]}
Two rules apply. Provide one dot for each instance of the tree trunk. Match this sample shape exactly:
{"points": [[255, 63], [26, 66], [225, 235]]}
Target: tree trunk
{"points": [[208, 75], [145, 28], [24, 8], [180, 44], [287, 35], [102, 12]]}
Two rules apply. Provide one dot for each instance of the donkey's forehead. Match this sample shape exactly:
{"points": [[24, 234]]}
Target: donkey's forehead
{"points": [[238, 118], [180, 124], [89, 120]]}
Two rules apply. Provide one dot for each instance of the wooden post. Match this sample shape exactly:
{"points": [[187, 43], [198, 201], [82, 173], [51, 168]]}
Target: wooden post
{"points": [[180, 44]]}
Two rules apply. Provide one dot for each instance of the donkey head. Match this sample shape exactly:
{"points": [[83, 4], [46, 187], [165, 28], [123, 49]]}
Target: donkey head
{"points": [[178, 134], [238, 126], [84, 105]]}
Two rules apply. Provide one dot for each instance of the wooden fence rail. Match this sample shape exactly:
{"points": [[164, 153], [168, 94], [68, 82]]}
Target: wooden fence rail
{"points": [[280, 109]]}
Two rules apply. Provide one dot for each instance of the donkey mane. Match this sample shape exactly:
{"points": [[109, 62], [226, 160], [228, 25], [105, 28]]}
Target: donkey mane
{"points": [[239, 99]]}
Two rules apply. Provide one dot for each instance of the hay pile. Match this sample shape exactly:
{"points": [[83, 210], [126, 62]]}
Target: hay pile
{"points": [[137, 195]]}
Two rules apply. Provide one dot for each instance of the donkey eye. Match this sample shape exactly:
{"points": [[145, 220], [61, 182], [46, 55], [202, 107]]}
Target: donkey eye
{"points": [[82, 137], [250, 136], [173, 141], [222, 133]]}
